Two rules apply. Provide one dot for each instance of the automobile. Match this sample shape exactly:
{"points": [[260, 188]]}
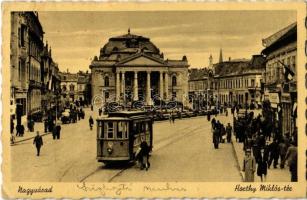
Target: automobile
{"points": [[65, 118]]}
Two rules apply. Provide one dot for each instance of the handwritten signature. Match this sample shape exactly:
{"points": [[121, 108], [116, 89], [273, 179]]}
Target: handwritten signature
{"points": [[164, 187], [117, 189], [121, 188]]}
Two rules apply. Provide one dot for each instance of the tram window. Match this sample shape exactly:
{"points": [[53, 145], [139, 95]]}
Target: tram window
{"points": [[146, 125], [110, 130], [120, 130]]}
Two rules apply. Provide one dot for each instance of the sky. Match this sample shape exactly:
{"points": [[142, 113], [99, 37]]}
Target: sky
{"points": [[76, 37]]}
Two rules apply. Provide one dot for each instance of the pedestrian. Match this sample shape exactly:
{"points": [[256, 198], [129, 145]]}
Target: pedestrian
{"points": [[12, 138], [12, 126], [22, 130], [216, 137], [173, 118], [226, 112], [45, 125], [274, 154], [291, 157], [223, 134], [262, 168], [144, 155], [38, 141], [228, 131], [92, 107], [208, 117], [100, 111], [249, 166], [54, 132], [91, 122], [58, 131], [282, 152], [170, 118]]}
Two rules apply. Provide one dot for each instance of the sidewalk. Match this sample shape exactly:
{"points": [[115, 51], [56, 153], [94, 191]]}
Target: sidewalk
{"points": [[273, 175], [39, 126]]}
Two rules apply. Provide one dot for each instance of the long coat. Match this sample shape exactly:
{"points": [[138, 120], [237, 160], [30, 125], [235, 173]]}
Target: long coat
{"points": [[249, 167], [262, 164]]}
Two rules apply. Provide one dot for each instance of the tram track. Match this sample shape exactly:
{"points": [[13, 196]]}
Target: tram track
{"points": [[156, 149], [161, 143]]}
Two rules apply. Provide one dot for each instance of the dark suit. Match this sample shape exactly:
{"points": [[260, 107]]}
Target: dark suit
{"points": [[38, 141], [262, 164]]}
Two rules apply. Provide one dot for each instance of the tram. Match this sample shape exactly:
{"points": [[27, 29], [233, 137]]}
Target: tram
{"points": [[120, 134]]}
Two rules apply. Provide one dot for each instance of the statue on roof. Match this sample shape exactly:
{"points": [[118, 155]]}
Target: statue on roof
{"points": [[129, 31]]}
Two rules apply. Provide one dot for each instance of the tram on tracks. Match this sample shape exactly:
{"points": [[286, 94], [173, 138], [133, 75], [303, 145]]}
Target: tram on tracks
{"points": [[119, 135]]}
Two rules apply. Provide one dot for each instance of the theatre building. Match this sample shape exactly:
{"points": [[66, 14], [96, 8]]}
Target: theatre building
{"points": [[131, 68]]}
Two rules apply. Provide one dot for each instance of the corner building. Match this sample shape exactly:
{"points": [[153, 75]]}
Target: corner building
{"points": [[131, 68]]}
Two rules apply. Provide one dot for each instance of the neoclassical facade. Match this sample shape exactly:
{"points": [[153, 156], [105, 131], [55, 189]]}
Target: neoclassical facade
{"points": [[131, 68]]}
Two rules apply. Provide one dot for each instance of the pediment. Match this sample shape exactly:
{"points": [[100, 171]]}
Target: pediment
{"points": [[142, 60]]}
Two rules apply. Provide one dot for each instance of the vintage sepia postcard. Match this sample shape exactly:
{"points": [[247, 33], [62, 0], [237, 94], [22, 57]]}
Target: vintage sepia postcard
{"points": [[153, 100]]}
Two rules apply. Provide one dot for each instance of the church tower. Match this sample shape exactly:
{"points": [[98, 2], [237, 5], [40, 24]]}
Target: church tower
{"points": [[221, 56]]}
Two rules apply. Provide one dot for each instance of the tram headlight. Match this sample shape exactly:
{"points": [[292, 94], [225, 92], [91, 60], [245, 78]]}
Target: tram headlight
{"points": [[110, 147]]}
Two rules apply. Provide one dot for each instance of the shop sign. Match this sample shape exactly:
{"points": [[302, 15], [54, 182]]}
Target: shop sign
{"points": [[274, 98], [285, 98]]}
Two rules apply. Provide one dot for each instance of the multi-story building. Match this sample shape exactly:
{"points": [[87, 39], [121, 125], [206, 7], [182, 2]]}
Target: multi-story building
{"points": [[281, 91], [75, 87], [83, 83], [200, 87], [131, 68], [26, 47], [238, 82], [50, 80]]}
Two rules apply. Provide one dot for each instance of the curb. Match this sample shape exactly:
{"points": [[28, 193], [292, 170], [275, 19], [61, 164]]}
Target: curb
{"points": [[237, 159], [30, 138]]}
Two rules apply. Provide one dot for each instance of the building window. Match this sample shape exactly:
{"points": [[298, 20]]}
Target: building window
{"points": [[253, 82], [106, 95], [64, 88], [71, 87], [106, 81], [22, 35], [174, 81]]}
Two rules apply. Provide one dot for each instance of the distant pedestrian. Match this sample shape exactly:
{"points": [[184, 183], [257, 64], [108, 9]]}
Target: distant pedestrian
{"points": [[228, 132], [208, 117], [91, 122], [92, 107], [100, 111], [173, 118], [22, 130], [45, 125], [282, 153], [216, 137], [144, 155], [54, 133], [58, 131], [12, 126], [38, 141], [262, 168], [291, 157], [274, 154], [249, 166]]}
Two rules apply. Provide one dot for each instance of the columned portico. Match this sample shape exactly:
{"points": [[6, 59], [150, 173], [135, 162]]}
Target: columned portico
{"points": [[148, 93], [135, 87], [161, 85], [166, 85], [117, 86], [123, 86], [141, 75]]}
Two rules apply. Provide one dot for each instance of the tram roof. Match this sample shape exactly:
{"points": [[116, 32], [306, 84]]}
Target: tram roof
{"points": [[127, 113]]}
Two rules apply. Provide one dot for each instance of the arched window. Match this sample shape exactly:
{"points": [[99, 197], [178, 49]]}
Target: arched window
{"points": [[71, 87], [174, 81], [106, 81], [64, 88]]}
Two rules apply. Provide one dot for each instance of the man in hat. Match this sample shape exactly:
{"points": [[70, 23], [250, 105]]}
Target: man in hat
{"points": [[38, 141], [249, 166]]}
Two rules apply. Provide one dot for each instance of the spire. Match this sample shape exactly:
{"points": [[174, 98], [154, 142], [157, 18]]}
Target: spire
{"points": [[221, 56], [129, 31]]}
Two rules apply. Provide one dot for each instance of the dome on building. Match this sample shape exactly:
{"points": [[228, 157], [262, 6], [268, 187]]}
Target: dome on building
{"points": [[126, 45]]}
